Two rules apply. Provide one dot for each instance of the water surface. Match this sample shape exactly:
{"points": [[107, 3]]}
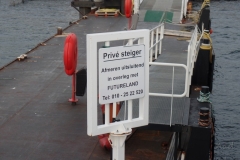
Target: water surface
{"points": [[23, 26]]}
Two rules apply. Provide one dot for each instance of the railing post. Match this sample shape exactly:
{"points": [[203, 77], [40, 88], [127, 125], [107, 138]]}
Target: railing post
{"points": [[172, 97], [189, 66], [161, 38], [130, 109], [156, 47], [107, 106], [136, 6], [151, 45]]}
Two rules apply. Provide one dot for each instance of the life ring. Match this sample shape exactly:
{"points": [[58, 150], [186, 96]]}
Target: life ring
{"points": [[70, 54], [128, 8]]}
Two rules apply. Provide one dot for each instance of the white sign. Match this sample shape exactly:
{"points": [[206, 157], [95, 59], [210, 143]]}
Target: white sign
{"points": [[121, 73]]}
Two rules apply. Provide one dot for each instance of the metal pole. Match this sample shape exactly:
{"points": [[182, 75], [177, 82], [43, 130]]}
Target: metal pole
{"points": [[73, 87], [117, 140], [73, 99]]}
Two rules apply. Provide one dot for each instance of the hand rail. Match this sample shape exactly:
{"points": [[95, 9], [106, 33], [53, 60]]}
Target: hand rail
{"points": [[193, 48], [172, 94], [171, 65], [156, 41]]}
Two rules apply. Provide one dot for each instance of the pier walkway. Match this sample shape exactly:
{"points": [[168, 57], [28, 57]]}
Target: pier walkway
{"points": [[161, 10]]}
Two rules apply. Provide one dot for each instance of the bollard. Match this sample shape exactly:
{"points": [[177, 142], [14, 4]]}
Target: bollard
{"points": [[59, 31]]}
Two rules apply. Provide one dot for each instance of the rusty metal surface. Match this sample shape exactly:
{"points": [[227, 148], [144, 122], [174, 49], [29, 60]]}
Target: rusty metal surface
{"points": [[148, 145]]}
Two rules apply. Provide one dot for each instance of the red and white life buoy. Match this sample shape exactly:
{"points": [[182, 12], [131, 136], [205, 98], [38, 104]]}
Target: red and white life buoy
{"points": [[70, 54]]}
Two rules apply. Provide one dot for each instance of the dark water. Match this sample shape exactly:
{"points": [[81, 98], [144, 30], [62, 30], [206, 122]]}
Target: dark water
{"points": [[226, 92], [24, 26]]}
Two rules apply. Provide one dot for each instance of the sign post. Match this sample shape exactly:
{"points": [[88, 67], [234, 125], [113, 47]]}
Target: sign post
{"points": [[121, 78], [119, 73]]}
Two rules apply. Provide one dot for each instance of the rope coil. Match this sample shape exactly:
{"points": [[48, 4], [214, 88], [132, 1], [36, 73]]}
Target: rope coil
{"points": [[204, 123]]}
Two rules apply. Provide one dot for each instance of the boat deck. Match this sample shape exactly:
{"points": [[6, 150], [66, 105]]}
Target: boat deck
{"points": [[38, 122]]}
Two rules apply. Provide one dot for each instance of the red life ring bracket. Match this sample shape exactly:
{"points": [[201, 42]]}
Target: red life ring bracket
{"points": [[70, 61]]}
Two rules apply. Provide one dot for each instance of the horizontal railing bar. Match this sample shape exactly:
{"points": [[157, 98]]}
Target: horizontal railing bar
{"points": [[172, 65], [168, 64], [155, 44], [167, 95], [157, 27]]}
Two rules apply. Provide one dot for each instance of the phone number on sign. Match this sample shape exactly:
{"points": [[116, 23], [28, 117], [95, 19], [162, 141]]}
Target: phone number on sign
{"points": [[127, 94]]}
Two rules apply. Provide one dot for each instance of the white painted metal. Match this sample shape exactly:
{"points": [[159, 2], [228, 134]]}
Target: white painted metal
{"points": [[183, 9], [172, 97], [130, 107], [193, 48], [118, 145], [136, 6], [117, 141], [151, 49], [177, 33], [157, 34], [92, 89], [107, 106], [171, 65]]}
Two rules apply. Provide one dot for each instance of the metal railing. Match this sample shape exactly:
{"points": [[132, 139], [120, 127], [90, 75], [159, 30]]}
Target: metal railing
{"points": [[191, 59], [156, 37], [184, 8], [193, 48], [172, 95], [93, 90]]}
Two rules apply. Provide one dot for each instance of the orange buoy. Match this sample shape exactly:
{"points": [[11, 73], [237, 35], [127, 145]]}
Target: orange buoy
{"points": [[70, 54], [128, 8]]}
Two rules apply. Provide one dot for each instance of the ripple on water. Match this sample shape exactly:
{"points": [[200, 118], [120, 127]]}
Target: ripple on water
{"points": [[226, 88], [25, 25], [235, 52]]}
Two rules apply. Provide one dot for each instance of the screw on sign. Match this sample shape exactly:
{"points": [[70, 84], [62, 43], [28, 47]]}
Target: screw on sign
{"points": [[70, 61]]}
